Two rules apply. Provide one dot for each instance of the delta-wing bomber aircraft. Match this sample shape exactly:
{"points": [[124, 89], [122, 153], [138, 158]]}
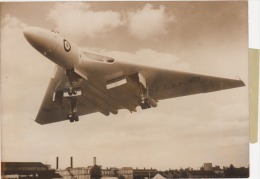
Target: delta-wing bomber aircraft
{"points": [[86, 83]]}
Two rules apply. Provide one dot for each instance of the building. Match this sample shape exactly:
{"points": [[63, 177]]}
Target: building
{"points": [[144, 173], [201, 174], [15, 176], [110, 172], [126, 172], [206, 171], [130, 173], [207, 166], [218, 170], [75, 173], [27, 170]]}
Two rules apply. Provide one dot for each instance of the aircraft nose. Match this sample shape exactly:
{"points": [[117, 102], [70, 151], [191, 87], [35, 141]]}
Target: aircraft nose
{"points": [[40, 39], [30, 34]]}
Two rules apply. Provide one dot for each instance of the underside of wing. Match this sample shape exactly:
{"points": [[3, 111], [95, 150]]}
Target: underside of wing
{"points": [[164, 83], [107, 85], [129, 84], [183, 84]]}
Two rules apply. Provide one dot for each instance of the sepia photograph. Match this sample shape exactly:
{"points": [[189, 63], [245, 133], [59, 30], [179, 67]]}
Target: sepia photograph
{"points": [[124, 90]]}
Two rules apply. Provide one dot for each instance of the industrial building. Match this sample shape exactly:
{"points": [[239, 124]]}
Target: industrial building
{"points": [[207, 167], [16, 170], [72, 173], [110, 172], [75, 173], [144, 173], [130, 173], [85, 172], [126, 172]]}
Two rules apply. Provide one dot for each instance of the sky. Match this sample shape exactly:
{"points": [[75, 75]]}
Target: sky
{"points": [[202, 37]]}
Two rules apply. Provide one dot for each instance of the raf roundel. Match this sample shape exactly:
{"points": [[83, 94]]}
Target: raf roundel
{"points": [[67, 46]]}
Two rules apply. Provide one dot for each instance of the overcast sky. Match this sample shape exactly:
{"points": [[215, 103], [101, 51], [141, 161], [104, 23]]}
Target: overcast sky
{"points": [[203, 37]]}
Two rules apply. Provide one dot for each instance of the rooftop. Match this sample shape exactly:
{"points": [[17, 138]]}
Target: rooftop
{"points": [[22, 164]]}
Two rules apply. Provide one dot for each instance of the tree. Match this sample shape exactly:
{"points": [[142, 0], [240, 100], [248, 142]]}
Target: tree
{"points": [[95, 172], [230, 172]]}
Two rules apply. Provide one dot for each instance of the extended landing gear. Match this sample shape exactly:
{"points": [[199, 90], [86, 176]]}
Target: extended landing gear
{"points": [[73, 107], [73, 78], [72, 90], [146, 101], [145, 104], [73, 118], [66, 95]]}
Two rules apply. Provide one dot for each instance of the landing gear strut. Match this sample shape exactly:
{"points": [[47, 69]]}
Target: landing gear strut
{"points": [[72, 91], [73, 110], [145, 104], [73, 77], [144, 97], [146, 101]]}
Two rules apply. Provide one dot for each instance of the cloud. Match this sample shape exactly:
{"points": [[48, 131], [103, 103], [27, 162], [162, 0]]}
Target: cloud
{"points": [[79, 20], [20, 69], [11, 22], [149, 21], [23, 84]]}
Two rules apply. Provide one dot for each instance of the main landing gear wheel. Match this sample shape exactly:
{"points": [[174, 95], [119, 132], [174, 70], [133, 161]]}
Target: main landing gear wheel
{"points": [[72, 91], [145, 104], [73, 118], [73, 107]]}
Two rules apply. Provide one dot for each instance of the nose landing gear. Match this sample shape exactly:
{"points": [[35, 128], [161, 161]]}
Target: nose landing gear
{"points": [[72, 117], [72, 91], [73, 78]]}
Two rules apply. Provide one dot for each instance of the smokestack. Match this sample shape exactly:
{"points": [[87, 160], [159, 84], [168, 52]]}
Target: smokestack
{"points": [[94, 161], [57, 163], [71, 162]]}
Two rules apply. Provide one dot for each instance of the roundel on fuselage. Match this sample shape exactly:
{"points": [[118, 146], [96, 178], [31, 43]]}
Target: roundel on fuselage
{"points": [[67, 46]]}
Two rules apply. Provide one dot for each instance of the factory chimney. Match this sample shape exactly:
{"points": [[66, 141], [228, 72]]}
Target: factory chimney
{"points": [[57, 163], [71, 162], [94, 161]]}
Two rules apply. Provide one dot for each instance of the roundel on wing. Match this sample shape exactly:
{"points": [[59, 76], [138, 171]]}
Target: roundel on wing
{"points": [[67, 46]]}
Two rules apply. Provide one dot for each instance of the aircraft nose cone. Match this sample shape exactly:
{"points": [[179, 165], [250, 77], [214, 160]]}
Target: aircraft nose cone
{"points": [[41, 39], [30, 34]]}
